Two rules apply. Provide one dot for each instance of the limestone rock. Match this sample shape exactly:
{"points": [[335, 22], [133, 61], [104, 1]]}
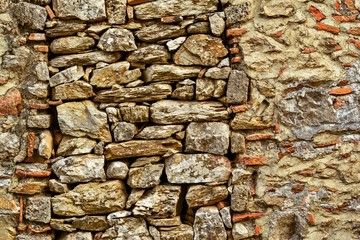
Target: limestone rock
{"points": [[217, 24], [9, 145], [136, 114], [29, 186], [39, 121], [158, 73], [76, 235], [87, 10], [58, 187], [46, 144], [239, 12], [226, 216], [91, 198], [91, 223], [139, 148], [116, 11], [150, 54], [84, 168], [146, 176], [65, 28], [77, 90], [199, 27], [156, 32], [197, 168], [209, 218], [237, 88], [207, 88], [164, 222], [116, 39], [241, 122], [200, 49], [115, 217], [30, 15], [184, 90], [75, 146], [68, 75], [237, 142], [124, 131], [128, 228], [117, 170], [135, 195], [202, 195], [159, 132], [173, 112], [42, 71], [38, 209], [184, 232], [80, 119], [239, 231], [218, 73], [278, 8], [142, 161], [175, 44], [40, 90], [73, 44]]}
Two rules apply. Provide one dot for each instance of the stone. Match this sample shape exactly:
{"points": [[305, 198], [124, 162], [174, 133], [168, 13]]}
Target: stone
{"points": [[237, 87], [134, 197], [142, 161], [217, 24], [46, 144], [84, 59], [175, 44], [164, 8], [162, 201], [237, 142], [241, 122], [169, 73], [117, 170], [66, 76], [209, 137], [225, 214], [198, 28], [128, 228], [77, 90], [65, 28], [8, 223], [81, 168], [184, 232], [9, 145], [76, 235], [11, 102], [151, 54], [80, 119], [38, 209], [30, 15], [240, 197], [116, 11], [140, 148], [25, 236], [218, 73], [42, 71], [239, 231], [116, 39], [164, 222], [184, 90], [209, 218], [200, 49], [174, 112], [159, 132], [86, 10], [75, 146], [124, 131], [207, 88], [197, 168], [202, 195], [135, 94], [280, 8], [39, 90], [239, 13], [115, 217], [29, 186], [58, 187], [157, 32], [91, 223], [39, 121], [113, 114], [146, 176], [91, 198], [154, 233], [73, 44], [136, 114]]}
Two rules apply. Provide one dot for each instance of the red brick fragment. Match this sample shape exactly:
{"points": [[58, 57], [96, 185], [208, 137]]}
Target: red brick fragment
{"points": [[41, 48], [255, 137], [337, 5], [21, 227], [341, 91], [258, 230], [50, 12], [328, 28], [341, 18], [355, 42], [11, 102], [311, 219], [236, 59], [337, 48], [325, 144], [338, 103], [278, 34], [246, 160], [346, 64], [239, 108], [308, 50], [240, 217], [297, 188], [351, 6], [134, 2], [202, 73], [222, 204], [55, 103], [316, 13], [37, 37], [354, 31], [235, 32], [39, 105], [234, 50], [38, 174], [343, 83], [31, 144], [306, 172], [21, 203]]}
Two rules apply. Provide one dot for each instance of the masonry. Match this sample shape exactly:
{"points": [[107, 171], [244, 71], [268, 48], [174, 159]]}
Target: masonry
{"points": [[179, 119]]}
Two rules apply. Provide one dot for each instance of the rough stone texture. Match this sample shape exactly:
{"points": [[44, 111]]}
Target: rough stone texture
{"points": [[124, 131], [237, 88], [136, 114], [128, 228], [116, 11], [150, 54], [72, 44], [145, 177], [209, 218], [75, 146], [207, 88], [30, 15], [217, 24], [171, 73], [154, 33], [159, 132], [84, 10], [38, 209], [183, 231], [68, 75], [115, 39], [77, 90], [117, 170], [201, 195]]}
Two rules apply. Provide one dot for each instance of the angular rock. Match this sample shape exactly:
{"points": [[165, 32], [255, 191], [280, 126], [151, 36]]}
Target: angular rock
{"points": [[184, 232], [154, 233], [58, 187], [38, 209], [86, 10], [140, 162], [159, 132], [237, 142], [226, 216], [73, 44], [218, 73], [175, 44], [239, 197], [239, 231], [241, 122], [136, 114], [202, 195], [217, 24], [116, 39], [163, 8], [116, 11], [40, 90], [80, 119], [30, 15], [76, 235], [117, 170], [68, 75], [83, 59], [91, 198], [84, 168], [281, 8], [91, 223], [134, 196], [160, 202], [65, 29], [46, 144], [207, 88], [171, 73], [29, 186], [77, 90], [42, 71], [156, 32], [200, 49], [184, 90], [150, 54], [113, 114], [198, 28], [75, 146], [39, 121], [128, 228], [209, 218], [211, 137], [124, 131], [25, 236], [238, 13], [173, 112], [237, 88], [140, 148], [197, 168], [9, 145], [115, 217], [145, 177]]}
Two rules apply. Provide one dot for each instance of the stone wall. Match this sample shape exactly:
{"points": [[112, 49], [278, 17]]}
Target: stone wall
{"points": [[179, 119]]}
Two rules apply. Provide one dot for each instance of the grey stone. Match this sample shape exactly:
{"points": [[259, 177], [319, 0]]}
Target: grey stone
{"points": [[9, 145], [39, 121], [68, 75], [77, 90], [113, 114], [73, 44], [198, 28], [225, 214], [146, 176], [116, 11], [175, 44], [218, 73], [30, 15], [237, 88], [136, 114], [169, 73], [185, 90], [134, 197], [128, 228], [117, 170], [58, 187], [87, 10], [46, 144], [209, 218], [154, 233], [150, 54], [156, 32], [75, 146], [124, 131], [91, 223], [202, 195], [42, 71], [184, 232], [237, 142], [217, 24], [65, 28], [239, 13], [76, 235], [40, 90], [159, 132], [239, 231], [116, 39], [38, 209], [207, 88]]}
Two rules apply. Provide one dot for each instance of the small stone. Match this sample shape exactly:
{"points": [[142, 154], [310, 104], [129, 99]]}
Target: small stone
{"points": [[128, 228], [116, 11], [115, 217], [116, 39], [237, 141], [142, 161], [154, 233], [39, 121], [164, 222], [184, 90], [240, 195], [218, 73], [77, 90], [136, 114], [225, 213], [73, 44], [30, 15], [91, 223], [171, 73], [184, 232], [175, 44], [40, 90], [9, 145], [239, 13], [124, 131], [150, 54], [202, 195], [38, 209], [46, 144], [134, 197], [239, 231], [11, 102], [66, 76], [145, 177], [159, 132], [89, 10], [58, 187], [217, 24], [198, 28], [42, 71], [224, 63], [209, 218], [237, 88], [75, 146], [76, 235], [113, 114], [117, 170], [207, 88], [157, 32]]}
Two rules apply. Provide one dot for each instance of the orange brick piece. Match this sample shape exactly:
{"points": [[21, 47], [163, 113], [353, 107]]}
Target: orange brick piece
{"points": [[240, 217], [50, 12], [235, 32], [311, 219], [355, 42], [255, 137], [328, 28], [38, 174], [134, 2], [234, 50], [316, 13], [37, 37], [239, 108], [354, 31], [236, 59], [31, 144], [41, 48], [251, 160], [341, 18], [11, 103], [341, 91]]}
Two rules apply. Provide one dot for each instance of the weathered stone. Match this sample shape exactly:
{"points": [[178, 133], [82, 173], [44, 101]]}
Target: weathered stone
{"points": [[184, 232], [83, 59], [38, 209], [154, 233], [116, 11], [239, 13], [58, 187], [175, 44], [65, 29], [89, 10], [8, 224], [202, 195], [241, 122], [128, 228], [184, 90], [77, 90], [9, 145], [160, 202], [156, 32], [140, 162], [84, 168], [73, 44], [29, 186], [39, 121], [42, 71], [239, 197], [158, 73], [26, 236], [91, 223], [139, 148], [209, 218], [200, 49], [113, 114], [145, 177], [218, 73], [134, 197], [40, 90], [81, 119], [239, 231], [117, 170], [159, 132], [173, 112], [136, 114], [163, 8], [124, 131], [113, 218], [68, 75], [197, 168], [237, 88], [217, 24], [225, 214], [75, 146], [237, 142], [164, 222], [207, 88], [11, 102], [76, 235], [150, 54], [116, 39], [135, 94], [30, 15], [46, 144], [91, 198], [199, 28], [280, 8]]}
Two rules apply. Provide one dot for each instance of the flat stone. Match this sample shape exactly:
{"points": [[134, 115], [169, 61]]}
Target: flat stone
{"points": [[160, 202], [197, 168], [116, 11], [115, 217], [68, 75], [156, 32], [73, 44], [241, 122], [175, 44], [174, 112], [46, 144], [63, 28], [164, 222], [91, 223], [151, 54], [42, 71], [142, 161], [281, 8], [26, 236], [30, 15], [87, 10], [38, 209], [117, 170], [116, 39], [91, 198], [237, 88], [217, 24], [84, 59], [124, 131], [29, 186], [39, 121], [184, 232], [83, 168], [218, 73], [75, 146], [58, 187], [169, 73], [209, 137], [185, 90], [128, 228], [146, 176], [207, 88], [159, 132], [163, 8], [202, 195], [209, 218], [198, 28], [200, 49], [77, 90], [80, 119], [39, 90], [140, 148], [76, 235], [136, 114]]}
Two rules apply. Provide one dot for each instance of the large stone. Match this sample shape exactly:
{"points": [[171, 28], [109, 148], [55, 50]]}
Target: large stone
{"points": [[207, 218], [80, 119], [87, 10], [202, 195], [159, 132], [217, 24], [207, 88], [30, 15], [140, 148], [116, 11], [86, 223], [185, 90], [65, 28], [38, 209], [173, 112], [156, 32], [128, 228], [237, 87], [211, 137], [146, 176], [84, 168], [73, 44], [171, 73], [75, 146], [9, 145], [29, 186], [200, 49], [183, 232], [135, 94], [91, 198], [197, 168], [150, 54], [163, 8], [77, 90], [136, 114], [160, 202], [68, 75], [116, 39], [124, 131]]}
